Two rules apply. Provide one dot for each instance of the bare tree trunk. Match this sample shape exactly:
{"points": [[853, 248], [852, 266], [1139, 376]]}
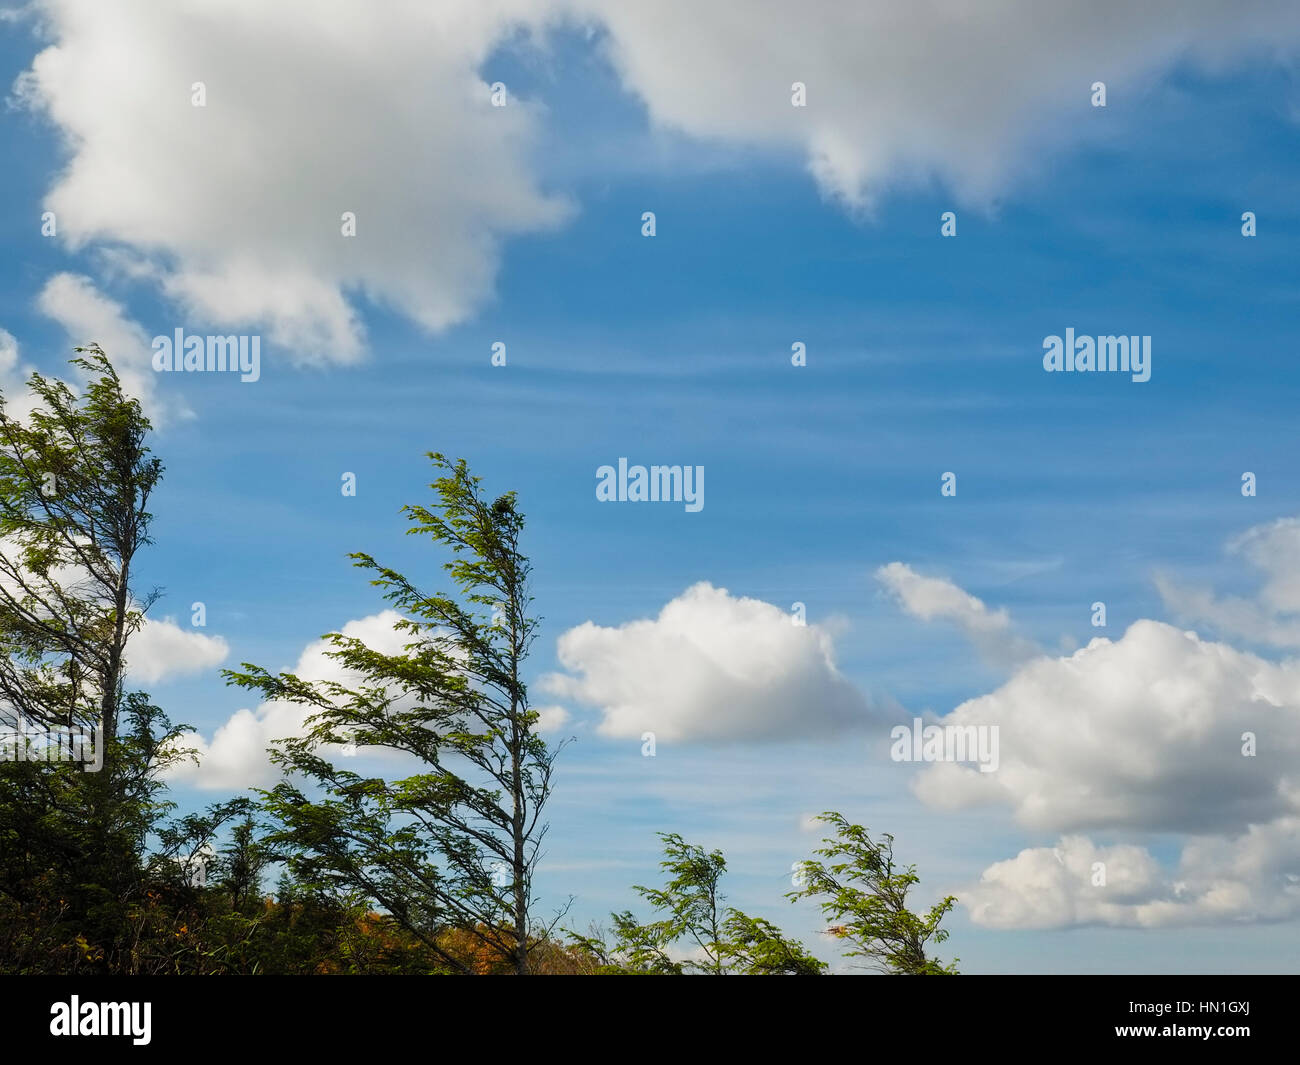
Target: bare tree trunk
{"points": [[518, 828], [113, 674]]}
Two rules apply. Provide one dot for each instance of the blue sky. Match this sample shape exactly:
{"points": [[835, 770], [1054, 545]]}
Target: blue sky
{"points": [[924, 356]]}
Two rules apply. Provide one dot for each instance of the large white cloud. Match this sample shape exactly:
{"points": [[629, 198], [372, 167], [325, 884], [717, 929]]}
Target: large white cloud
{"points": [[314, 108], [897, 93], [710, 667], [1158, 732], [1253, 877], [1143, 732]]}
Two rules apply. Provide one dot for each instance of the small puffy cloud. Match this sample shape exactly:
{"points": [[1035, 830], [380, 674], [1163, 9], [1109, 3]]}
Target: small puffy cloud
{"points": [[1270, 617], [161, 649], [933, 598], [9, 365], [550, 719], [236, 755], [811, 823], [19, 401], [710, 667], [87, 316], [1274, 549]]}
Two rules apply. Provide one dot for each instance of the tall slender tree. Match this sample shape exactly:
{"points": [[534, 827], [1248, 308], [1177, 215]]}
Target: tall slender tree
{"points": [[455, 845], [76, 475]]}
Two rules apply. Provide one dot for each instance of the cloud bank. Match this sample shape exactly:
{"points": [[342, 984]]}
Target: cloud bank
{"points": [[314, 108], [1156, 733]]}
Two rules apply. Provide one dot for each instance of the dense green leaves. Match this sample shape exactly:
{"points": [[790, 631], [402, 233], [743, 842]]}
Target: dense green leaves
{"points": [[76, 476], [456, 843], [863, 895], [696, 932]]}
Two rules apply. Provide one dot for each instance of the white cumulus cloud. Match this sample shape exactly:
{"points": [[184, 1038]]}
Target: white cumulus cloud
{"points": [[313, 108], [966, 93], [1253, 877], [550, 719], [161, 649], [19, 402], [1158, 732], [710, 667], [235, 757], [1142, 732]]}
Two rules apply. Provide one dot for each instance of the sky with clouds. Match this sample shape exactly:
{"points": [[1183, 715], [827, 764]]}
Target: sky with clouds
{"points": [[775, 225]]}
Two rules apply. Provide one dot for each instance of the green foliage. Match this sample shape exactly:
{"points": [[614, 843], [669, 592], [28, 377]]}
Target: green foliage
{"points": [[863, 895], [74, 872], [431, 873], [711, 938], [454, 845], [75, 480], [752, 946], [76, 883]]}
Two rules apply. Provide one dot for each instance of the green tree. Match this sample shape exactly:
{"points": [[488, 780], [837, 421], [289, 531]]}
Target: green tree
{"points": [[74, 873], [76, 476], [241, 864], [862, 892], [695, 920], [455, 845]]}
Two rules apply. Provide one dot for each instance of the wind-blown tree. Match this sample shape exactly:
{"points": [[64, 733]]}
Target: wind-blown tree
{"points": [[709, 937], [76, 476], [75, 479], [862, 892], [454, 846]]}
